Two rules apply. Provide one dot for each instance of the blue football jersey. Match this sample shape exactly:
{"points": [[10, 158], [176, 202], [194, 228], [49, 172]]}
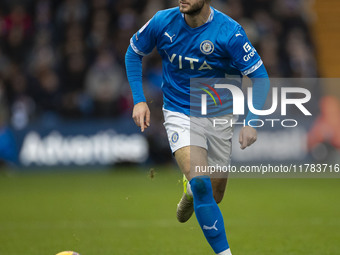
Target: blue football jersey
{"points": [[217, 49]]}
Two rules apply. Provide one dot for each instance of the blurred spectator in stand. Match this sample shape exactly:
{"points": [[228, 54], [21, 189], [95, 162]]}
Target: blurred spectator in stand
{"points": [[47, 92], [73, 71], [269, 54], [43, 15], [20, 19], [42, 55], [71, 11], [302, 62], [17, 29], [2, 27], [4, 64], [98, 36], [126, 27], [293, 56], [324, 136], [100, 4], [104, 84], [21, 104], [234, 9], [8, 151]]}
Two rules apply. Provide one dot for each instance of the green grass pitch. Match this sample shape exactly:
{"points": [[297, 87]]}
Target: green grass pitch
{"points": [[126, 213]]}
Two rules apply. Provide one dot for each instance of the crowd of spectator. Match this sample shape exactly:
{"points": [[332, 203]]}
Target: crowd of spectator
{"points": [[66, 58]]}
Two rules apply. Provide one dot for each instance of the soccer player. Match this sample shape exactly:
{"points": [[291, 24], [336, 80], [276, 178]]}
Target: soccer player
{"points": [[196, 41]]}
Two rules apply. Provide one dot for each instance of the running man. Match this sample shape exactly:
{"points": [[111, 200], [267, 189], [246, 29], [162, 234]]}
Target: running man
{"points": [[196, 41]]}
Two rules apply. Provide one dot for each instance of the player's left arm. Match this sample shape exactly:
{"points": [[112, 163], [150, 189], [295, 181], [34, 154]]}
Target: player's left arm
{"points": [[247, 60]]}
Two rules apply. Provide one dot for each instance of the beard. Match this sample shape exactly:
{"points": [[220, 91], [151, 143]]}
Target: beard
{"points": [[195, 8]]}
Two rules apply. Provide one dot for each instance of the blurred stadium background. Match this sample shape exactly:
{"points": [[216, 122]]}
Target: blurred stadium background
{"points": [[65, 106]]}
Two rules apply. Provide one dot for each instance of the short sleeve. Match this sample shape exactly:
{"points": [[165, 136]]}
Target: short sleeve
{"points": [[244, 56], [145, 39]]}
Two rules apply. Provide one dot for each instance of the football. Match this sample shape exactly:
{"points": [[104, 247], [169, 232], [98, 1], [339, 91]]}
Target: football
{"points": [[68, 253]]}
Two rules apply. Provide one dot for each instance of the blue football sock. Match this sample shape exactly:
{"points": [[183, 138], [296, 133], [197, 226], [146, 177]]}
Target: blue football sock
{"points": [[208, 214]]}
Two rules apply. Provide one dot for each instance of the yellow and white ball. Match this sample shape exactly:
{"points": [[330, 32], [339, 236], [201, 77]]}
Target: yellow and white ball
{"points": [[68, 253]]}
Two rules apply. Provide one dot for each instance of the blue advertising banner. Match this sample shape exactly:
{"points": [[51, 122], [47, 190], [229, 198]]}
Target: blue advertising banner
{"points": [[80, 143]]}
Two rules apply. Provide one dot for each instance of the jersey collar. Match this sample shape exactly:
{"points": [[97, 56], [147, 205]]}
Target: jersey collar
{"points": [[211, 16]]}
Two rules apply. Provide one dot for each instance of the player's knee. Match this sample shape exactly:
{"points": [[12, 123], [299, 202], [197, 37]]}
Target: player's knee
{"points": [[201, 187]]}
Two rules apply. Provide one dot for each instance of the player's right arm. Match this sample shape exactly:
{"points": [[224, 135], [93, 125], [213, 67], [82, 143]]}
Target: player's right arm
{"points": [[141, 44], [141, 112]]}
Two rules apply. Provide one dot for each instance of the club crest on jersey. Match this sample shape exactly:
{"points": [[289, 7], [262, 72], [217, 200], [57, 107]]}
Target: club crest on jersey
{"points": [[207, 47], [174, 137]]}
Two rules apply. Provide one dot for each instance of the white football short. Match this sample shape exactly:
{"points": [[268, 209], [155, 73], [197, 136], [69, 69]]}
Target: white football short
{"points": [[184, 130]]}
